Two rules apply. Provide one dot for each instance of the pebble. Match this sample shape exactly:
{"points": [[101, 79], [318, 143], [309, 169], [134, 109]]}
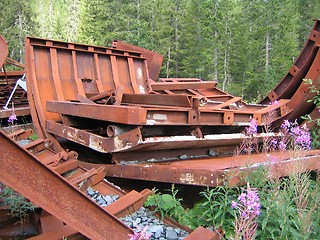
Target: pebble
{"points": [[141, 218]]}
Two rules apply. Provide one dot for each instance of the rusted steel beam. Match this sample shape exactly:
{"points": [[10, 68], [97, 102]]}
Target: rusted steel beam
{"points": [[151, 115], [299, 101], [157, 100], [154, 58], [129, 203], [27, 175], [212, 171], [160, 86], [203, 233], [291, 81]]}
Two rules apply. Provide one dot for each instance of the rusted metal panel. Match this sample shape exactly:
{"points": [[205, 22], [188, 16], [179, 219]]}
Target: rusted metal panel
{"points": [[26, 174], [60, 71], [160, 115], [154, 58]]}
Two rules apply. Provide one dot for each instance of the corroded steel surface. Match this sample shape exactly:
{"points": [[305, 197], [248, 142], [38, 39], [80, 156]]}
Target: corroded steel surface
{"points": [[154, 58], [88, 98], [212, 171], [175, 130], [44, 187]]}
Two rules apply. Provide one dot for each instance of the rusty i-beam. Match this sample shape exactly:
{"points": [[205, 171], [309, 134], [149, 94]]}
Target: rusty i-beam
{"points": [[30, 177]]}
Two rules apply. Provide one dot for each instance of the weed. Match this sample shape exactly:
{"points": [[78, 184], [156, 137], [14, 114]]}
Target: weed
{"points": [[18, 205], [166, 204]]}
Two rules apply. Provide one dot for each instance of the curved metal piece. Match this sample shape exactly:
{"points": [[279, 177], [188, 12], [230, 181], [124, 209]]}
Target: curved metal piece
{"points": [[292, 80]]}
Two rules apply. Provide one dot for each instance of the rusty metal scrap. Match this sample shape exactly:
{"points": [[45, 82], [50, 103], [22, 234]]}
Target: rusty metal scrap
{"points": [[154, 59], [111, 89], [107, 106], [11, 93], [71, 205], [51, 191]]}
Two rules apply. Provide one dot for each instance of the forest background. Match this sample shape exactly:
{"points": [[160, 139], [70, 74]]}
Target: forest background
{"points": [[245, 45]]}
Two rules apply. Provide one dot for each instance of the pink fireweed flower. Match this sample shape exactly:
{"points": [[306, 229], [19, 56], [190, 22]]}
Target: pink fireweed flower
{"points": [[253, 127], [301, 137], [142, 235], [276, 103], [12, 118], [249, 202], [282, 146], [248, 207]]}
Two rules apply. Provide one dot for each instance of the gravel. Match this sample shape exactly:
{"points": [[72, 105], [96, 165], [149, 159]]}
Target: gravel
{"points": [[141, 219]]}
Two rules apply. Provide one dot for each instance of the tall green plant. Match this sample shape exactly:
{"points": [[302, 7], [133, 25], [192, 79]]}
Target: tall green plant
{"points": [[18, 204]]}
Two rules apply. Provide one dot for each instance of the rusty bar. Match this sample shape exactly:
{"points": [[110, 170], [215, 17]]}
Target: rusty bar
{"points": [[27, 175], [210, 171], [118, 143], [119, 114], [157, 100], [129, 203], [160, 86], [153, 115]]}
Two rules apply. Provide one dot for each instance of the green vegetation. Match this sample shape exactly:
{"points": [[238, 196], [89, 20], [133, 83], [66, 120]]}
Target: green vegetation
{"points": [[247, 46], [282, 208], [16, 203], [289, 207]]}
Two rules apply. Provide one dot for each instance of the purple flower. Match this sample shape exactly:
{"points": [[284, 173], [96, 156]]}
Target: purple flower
{"points": [[248, 210], [273, 144], [253, 127], [249, 202], [286, 125], [276, 103], [282, 146], [301, 137], [12, 118]]}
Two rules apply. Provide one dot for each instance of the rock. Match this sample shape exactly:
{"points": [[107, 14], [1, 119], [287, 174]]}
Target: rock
{"points": [[171, 234], [90, 191]]}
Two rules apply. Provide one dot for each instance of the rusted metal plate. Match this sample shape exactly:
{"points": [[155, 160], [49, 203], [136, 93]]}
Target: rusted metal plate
{"points": [[212, 171], [4, 50], [203, 233], [60, 71], [291, 81], [154, 58], [27, 175]]}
